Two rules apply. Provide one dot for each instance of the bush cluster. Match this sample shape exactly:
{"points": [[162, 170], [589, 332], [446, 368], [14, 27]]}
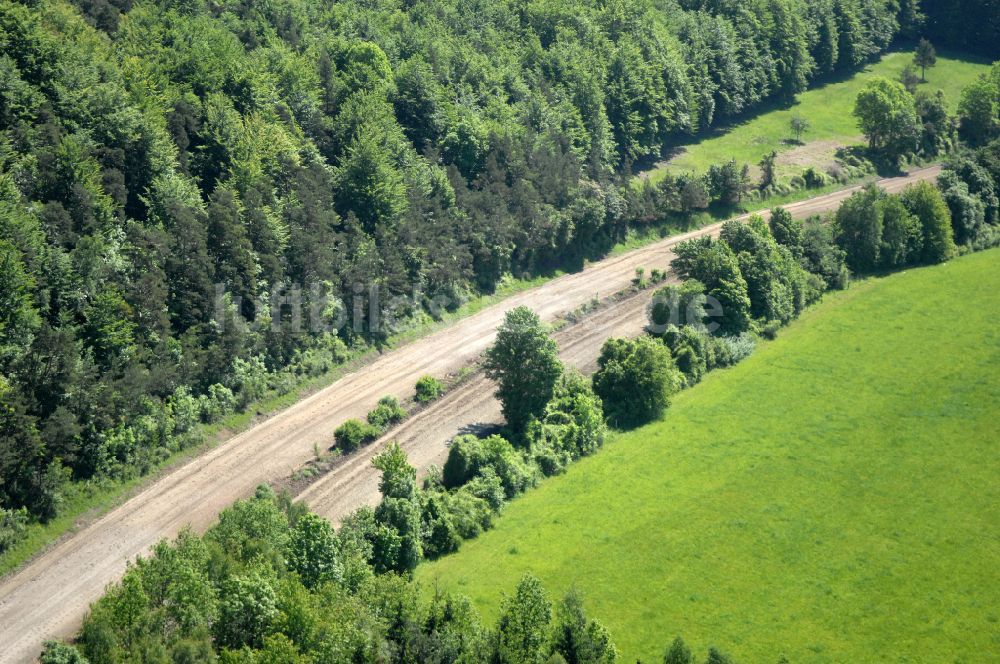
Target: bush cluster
{"points": [[428, 389], [386, 413], [352, 434]]}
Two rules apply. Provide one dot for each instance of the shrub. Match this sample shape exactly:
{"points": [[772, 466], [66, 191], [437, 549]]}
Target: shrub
{"points": [[218, 403], [814, 179], [571, 427], [635, 380], [770, 329], [733, 350], [428, 389], [690, 348], [469, 514], [388, 411], [55, 652], [469, 457], [440, 535], [352, 434], [677, 305], [464, 460], [248, 380], [12, 523]]}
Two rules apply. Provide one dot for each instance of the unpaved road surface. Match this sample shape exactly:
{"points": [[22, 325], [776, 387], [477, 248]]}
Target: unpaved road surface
{"points": [[49, 596]]}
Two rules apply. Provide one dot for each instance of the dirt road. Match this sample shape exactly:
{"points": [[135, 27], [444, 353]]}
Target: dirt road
{"points": [[49, 596]]}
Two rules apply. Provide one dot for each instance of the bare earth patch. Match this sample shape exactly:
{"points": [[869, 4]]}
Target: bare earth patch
{"points": [[821, 155]]}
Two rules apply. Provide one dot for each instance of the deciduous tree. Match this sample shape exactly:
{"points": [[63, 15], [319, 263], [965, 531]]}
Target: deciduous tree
{"points": [[524, 364]]}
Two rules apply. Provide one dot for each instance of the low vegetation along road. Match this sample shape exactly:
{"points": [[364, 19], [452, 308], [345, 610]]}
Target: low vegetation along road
{"points": [[49, 596]]}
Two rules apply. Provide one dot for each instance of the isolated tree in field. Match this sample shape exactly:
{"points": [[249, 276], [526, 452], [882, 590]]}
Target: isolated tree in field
{"points": [[887, 116], [925, 56], [799, 126], [718, 657], [524, 364], [767, 169], [635, 380]]}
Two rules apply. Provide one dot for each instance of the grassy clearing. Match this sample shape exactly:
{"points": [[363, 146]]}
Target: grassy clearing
{"points": [[833, 498], [828, 109]]}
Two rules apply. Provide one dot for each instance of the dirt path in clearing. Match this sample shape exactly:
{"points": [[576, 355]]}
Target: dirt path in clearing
{"points": [[49, 596]]}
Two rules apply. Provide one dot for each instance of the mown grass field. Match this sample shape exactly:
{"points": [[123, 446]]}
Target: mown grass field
{"points": [[834, 498], [828, 109]]}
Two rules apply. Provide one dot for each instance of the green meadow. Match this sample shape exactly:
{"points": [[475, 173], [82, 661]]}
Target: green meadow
{"points": [[827, 107], [834, 498]]}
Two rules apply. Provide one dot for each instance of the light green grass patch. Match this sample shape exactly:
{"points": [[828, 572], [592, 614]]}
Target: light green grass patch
{"points": [[833, 498], [828, 109]]}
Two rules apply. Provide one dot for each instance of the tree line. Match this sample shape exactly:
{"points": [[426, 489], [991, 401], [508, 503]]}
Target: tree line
{"points": [[274, 583]]}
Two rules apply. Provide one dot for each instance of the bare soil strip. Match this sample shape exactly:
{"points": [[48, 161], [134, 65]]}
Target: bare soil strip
{"points": [[49, 596]]}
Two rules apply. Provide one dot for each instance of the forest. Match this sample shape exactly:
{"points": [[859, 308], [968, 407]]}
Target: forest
{"points": [[179, 181]]}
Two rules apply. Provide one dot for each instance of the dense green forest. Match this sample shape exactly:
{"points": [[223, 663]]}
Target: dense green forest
{"points": [[167, 169]]}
